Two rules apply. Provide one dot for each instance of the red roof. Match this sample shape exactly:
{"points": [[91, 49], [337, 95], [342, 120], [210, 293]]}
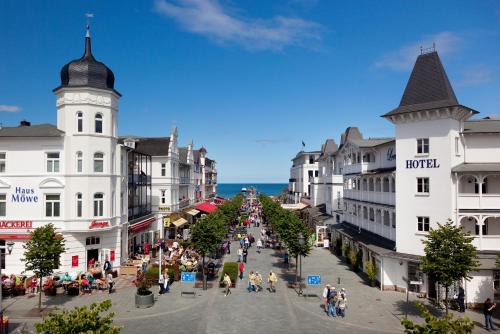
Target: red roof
{"points": [[206, 207]]}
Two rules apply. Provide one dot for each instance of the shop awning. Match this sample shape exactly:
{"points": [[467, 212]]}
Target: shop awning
{"points": [[179, 222], [206, 207], [141, 225], [15, 236], [193, 212]]}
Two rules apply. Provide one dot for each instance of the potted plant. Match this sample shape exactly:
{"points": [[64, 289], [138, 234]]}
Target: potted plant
{"points": [[144, 297], [19, 290], [371, 272]]}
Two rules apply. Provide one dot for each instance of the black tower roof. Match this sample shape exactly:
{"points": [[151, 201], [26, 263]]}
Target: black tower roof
{"points": [[87, 72], [427, 88]]}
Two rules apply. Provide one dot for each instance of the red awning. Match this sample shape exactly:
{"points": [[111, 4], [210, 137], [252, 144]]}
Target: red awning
{"points": [[142, 225], [220, 200], [15, 236], [206, 207]]}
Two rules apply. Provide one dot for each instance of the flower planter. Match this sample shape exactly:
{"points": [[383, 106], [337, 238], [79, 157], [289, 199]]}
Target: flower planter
{"points": [[19, 291], [52, 291], [144, 301]]}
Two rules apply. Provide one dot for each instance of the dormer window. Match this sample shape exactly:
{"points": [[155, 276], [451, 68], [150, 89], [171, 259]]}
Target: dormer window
{"points": [[98, 123], [79, 121]]}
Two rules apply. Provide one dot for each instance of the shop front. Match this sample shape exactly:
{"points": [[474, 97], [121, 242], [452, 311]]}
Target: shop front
{"points": [[141, 236]]}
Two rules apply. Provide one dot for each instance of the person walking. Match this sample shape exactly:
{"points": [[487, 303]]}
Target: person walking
{"points": [[461, 299], [161, 283], [227, 284], [258, 282], [240, 254], [251, 282], [272, 280], [247, 242], [326, 292], [342, 304], [259, 245], [110, 282], [332, 303], [245, 254], [488, 308], [166, 286], [241, 269]]}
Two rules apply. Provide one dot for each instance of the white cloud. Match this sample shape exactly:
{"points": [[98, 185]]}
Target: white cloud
{"points": [[403, 58], [475, 76], [8, 108], [209, 18]]}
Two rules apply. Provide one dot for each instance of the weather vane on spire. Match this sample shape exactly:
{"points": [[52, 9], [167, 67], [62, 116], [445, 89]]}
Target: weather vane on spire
{"points": [[88, 15]]}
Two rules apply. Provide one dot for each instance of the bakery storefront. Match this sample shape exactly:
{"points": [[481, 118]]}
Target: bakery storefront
{"points": [[16, 231], [141, 236]]}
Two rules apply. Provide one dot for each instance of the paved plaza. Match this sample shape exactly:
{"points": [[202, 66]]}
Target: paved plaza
{"points": [[369, 310]]}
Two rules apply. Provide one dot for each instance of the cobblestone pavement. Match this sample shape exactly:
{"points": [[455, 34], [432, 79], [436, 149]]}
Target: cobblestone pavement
{"points": [[369, 310]]}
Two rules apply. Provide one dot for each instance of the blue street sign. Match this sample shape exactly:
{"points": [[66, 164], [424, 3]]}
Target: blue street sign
{"points": [[187, 277], [313, 279]]}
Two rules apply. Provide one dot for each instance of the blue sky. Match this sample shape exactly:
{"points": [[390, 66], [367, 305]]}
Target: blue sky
{"points": [[249, 80]]}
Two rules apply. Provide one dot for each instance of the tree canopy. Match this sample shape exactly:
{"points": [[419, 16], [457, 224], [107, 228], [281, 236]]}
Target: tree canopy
{"points": [[449, 255]]}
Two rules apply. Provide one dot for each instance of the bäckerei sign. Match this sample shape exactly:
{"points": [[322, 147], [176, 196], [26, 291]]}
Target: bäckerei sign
{"points": [[16, 224]]}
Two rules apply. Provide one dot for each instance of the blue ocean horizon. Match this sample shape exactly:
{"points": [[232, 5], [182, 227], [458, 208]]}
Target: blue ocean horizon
{"points": [[229, 190]]}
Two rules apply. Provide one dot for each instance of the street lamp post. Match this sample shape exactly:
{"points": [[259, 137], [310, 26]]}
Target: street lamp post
{"points": [[302, 241], [10, 246]]}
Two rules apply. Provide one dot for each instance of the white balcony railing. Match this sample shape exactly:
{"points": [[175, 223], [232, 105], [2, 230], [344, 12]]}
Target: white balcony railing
{"points": [[359, 168], [487, 242], [387, 198], [474, 201]]}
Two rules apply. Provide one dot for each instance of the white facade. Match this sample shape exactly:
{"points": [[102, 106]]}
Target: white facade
{"points": [[447, 167], [72, 180], [303, 173]]}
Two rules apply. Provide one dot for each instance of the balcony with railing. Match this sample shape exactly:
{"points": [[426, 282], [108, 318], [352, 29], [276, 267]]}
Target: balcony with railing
{"points": [[184, 180], [387, 198], [183, 203], [479, 192], [359, 168]]}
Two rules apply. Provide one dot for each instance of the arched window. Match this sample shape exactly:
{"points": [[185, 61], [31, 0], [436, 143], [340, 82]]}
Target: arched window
{"points": [[79, 162], [98, 205], [372, 215], [98, 123], [79, 121], [79, 205], [98, 162]]}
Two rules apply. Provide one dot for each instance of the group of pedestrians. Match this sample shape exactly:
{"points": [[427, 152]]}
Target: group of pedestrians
{"points": [[334, 302]]}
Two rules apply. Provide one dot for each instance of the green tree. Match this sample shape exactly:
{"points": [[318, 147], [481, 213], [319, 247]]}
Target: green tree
{"points": [[80, 320], [42, 253], [449, 256], [434, 325]]}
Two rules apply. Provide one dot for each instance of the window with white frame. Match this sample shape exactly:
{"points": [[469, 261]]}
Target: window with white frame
{"points": [[52, 205], [163, 198], [423, 224], [2, 162], [3, 205], [92, 241], [163, 169], [422, 185], [79, 205], [457, 146], [98, 123], [98, 162], [52, 162], [79, 162], [98, 205], [79, 121], [113, 204], [422, 145]]}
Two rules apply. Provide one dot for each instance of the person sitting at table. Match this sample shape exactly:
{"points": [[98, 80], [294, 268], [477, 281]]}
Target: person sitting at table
{"points": [[86, 284], [91, 279], [66, 280]]}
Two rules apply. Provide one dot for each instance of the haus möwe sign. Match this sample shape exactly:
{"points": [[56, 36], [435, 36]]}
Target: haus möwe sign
{"points": [[422, 163]]}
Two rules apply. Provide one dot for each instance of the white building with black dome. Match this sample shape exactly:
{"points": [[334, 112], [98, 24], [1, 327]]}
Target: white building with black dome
{"points": [[70, 174]]}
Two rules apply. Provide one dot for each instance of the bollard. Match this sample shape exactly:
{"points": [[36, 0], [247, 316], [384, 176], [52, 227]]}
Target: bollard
{"points": [[338, 280]]}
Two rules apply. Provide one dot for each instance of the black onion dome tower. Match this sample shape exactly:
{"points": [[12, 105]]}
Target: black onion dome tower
{"points": [[87, 71]]}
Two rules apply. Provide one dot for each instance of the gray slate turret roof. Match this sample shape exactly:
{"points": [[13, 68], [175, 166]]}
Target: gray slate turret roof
{"points": [[427, 88]]}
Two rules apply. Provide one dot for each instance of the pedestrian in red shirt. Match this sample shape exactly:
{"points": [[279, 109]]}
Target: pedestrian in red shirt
{"points": [[242, 269]]}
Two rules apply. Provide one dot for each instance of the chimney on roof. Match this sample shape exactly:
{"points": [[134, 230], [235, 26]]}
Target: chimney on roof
{"points": [[24, 123]]}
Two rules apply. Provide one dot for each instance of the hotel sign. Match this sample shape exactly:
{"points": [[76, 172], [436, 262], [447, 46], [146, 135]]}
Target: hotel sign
{"points": [[16, 224], [164, 208], [422, 163]]}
